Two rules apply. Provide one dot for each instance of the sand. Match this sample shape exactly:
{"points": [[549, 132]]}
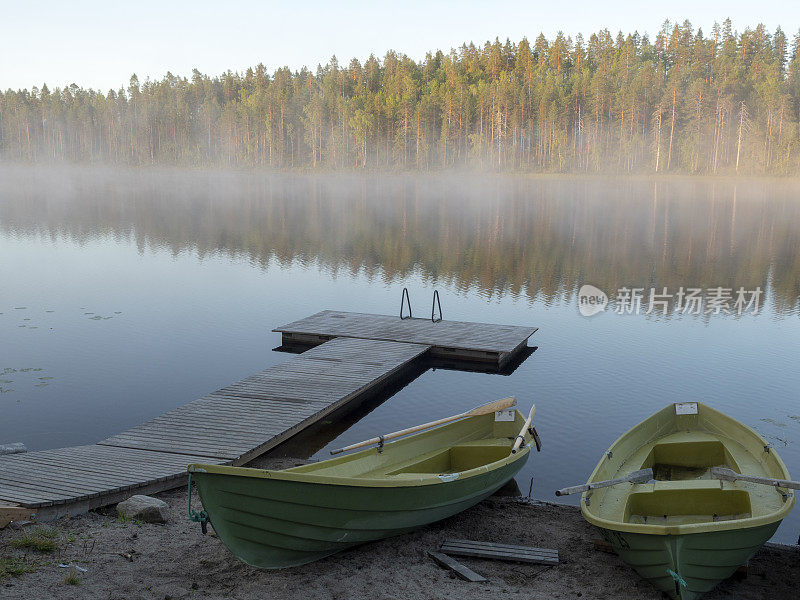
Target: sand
{"points": [[143, 561]]}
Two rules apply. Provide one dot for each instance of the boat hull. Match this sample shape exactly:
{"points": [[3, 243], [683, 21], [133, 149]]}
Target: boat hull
{"points": [[702, 559], [274, 523]]}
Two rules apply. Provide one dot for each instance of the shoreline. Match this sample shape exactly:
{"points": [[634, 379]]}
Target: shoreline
{"points": [[166, 169], [126, 559]]}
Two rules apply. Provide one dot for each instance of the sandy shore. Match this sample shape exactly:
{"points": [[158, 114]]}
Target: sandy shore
{"points": [[142, 561]]}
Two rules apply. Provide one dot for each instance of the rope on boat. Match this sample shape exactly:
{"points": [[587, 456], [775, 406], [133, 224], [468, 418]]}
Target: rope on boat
{"points": [[678, 579], [198, 517]]}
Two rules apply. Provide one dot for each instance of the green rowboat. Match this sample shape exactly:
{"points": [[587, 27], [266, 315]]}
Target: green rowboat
{"points": [[275, 519], [685, 531]]}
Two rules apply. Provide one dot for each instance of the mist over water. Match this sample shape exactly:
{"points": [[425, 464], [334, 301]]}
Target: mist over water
{"points": [[126, 293], [496, 236]]}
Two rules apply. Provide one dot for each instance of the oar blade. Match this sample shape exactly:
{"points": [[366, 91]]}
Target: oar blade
{"points": [[641, 476], [491, 407], [724, 474]]}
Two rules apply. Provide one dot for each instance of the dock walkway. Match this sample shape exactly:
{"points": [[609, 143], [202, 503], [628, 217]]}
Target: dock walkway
{"points": [[354, 356]]}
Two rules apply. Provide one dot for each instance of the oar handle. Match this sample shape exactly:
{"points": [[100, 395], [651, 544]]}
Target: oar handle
{"points": [[521, 437], [731, 475]]}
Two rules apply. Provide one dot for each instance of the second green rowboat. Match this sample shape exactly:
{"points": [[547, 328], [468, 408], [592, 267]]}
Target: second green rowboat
{"points": [[686, 531]]}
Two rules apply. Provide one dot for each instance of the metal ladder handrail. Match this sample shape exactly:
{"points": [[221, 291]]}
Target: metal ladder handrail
{"points": [[403, 299], [433, 307]]}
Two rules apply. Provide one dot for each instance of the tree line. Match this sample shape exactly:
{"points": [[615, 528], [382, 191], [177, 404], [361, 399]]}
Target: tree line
{"points": [[684, 101]]}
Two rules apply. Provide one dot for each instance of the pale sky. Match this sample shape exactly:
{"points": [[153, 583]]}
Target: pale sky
{"points": [[100, 44]]}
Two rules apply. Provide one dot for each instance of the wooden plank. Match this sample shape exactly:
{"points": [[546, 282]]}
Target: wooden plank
{"points": [[13, 492], [127, 464], [138, 471], [112, 455], [87, 473], [506, 552], [219, 439], [476, 544], [60, 478], [42, 479], [462, 571], [156, 445]]}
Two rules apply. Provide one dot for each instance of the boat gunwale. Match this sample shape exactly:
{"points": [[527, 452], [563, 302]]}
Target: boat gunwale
{"points": [[689, 528], [423, 479]]}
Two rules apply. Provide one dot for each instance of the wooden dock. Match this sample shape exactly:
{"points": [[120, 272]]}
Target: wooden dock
{"points": [[355, 355], [482, 342]]}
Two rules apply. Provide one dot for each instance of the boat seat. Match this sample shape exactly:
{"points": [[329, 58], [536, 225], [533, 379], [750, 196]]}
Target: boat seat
{"points": [[687, 456], [458, 458], [689, 484], [684, 502]]}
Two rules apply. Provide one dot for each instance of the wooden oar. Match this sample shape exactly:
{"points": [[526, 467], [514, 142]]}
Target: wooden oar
{"points": [[525, 427], [731, 475], [480, 410], [635, 477]]}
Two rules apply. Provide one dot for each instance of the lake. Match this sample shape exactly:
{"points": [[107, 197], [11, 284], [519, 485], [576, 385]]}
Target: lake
{"points": [[127, 293]]}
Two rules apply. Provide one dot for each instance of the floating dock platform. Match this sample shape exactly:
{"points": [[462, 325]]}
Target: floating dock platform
{"points": [[352, 356], [459, 340]]}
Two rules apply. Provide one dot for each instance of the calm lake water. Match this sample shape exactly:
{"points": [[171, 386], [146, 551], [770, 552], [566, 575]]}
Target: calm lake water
{"points": [[125, 294]]}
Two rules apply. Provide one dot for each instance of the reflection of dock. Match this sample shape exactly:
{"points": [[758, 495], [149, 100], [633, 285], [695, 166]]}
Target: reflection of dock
{"points": [[356, 355]]}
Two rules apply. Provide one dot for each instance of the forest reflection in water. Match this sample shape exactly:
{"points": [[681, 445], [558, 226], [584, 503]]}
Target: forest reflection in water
{"points": [[539, 238]]}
